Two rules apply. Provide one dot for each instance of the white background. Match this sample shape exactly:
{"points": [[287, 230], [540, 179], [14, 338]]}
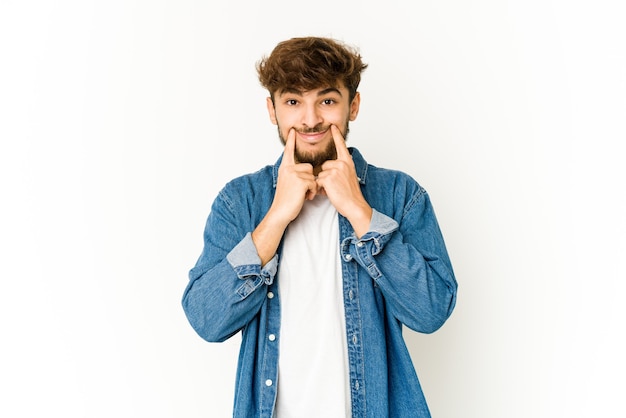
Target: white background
{"points": [[120, 121]]}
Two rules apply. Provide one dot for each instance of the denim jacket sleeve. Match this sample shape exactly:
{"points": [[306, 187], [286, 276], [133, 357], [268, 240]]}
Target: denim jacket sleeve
{"points": [[221, 296], [409, 263]]}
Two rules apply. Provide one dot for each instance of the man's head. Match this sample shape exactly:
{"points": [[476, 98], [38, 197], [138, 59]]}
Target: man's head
{"points": [[312, 83]]}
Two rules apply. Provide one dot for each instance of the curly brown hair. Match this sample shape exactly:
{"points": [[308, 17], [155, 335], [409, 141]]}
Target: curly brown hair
{"points": [[309, 63]]}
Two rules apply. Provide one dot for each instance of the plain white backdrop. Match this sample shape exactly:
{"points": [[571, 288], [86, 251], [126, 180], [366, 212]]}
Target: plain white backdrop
{"points": [[120, 121]]}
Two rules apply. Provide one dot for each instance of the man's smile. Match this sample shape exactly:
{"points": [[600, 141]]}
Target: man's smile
{"points": [[312, 137]]}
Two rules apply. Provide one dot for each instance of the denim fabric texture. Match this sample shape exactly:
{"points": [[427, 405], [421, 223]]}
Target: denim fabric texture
{"points": [[397, 274]]}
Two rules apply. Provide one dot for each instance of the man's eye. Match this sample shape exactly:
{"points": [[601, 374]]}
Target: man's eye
{"points": [[328, 101], [292, 102]]}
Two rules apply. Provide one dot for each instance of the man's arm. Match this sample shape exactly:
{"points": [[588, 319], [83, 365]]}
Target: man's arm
{"points": [[409, 263], [220, 297], [338, 180], [296, 183]]}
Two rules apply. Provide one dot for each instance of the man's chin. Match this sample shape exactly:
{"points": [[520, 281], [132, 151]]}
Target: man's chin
{"points": [[318, 158]]}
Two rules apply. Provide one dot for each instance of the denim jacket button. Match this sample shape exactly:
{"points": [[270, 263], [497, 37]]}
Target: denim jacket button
{"points": [[348, 257], [359, 244], [268, 382], [270, 295], [271, 337]]}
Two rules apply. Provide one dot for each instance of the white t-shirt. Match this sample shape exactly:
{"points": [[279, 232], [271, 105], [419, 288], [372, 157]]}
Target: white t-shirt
{"points": [[313, 364]]}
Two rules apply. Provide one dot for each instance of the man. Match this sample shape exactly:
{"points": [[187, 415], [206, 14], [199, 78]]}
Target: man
{"points": [[320, 259]]}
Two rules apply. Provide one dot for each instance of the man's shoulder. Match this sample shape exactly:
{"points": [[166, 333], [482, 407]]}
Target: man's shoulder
{"points": [[377, 173], [390, 189], [260, 178], [379, 176]]}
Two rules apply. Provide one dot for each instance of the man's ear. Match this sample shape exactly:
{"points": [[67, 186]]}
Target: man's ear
{"points": [[354, 106], [271, 110]]}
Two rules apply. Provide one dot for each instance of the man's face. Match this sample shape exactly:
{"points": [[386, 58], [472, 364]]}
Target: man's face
{"points": [[310, 113]]}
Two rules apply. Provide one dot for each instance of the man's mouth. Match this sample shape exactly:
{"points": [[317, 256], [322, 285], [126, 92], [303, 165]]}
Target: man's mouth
{"points": [[312, 136]]}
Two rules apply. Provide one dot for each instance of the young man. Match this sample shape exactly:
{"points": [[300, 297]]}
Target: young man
{"points": [[320, 259]]}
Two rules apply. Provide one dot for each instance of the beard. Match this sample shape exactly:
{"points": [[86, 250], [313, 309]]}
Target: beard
{"points": [[316, 159]]}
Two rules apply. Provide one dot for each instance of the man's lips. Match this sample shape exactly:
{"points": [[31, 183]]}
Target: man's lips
{"points": [[312, 137]]}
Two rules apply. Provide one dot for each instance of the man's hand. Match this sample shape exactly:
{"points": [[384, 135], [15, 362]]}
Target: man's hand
{"points": [[296, 183], [340, 183]]}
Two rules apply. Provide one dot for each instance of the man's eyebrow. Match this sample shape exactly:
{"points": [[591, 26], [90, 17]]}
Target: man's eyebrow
{"points": [[329, 90], [292, 90]]}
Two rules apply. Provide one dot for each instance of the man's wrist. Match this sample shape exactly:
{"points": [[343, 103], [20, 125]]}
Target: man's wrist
{"points": [[361, 220]]}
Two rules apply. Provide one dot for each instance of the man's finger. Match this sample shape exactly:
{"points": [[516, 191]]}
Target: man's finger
{"points": [[340, 144], [290, 148]]}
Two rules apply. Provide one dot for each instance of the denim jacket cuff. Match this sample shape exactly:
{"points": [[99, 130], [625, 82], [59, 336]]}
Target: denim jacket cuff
{"points": [[363, 250], [247, 264], [382, 224]]}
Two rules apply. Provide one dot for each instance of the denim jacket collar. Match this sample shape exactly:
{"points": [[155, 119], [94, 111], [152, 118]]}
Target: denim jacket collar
{"points": [[359, 164]]}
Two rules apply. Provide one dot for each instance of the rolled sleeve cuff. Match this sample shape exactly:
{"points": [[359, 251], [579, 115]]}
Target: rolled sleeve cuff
{"points": [[247, 264], [382, 224], [363, 250]]}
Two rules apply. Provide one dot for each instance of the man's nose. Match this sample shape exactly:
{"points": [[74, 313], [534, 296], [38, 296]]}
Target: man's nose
{"points": [[311, 117]]}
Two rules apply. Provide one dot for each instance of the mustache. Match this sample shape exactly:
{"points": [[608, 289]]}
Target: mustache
{"points": [[314, 130]]}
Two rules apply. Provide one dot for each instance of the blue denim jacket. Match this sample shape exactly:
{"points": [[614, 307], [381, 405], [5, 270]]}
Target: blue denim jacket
{"points": [[397, 273]]}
